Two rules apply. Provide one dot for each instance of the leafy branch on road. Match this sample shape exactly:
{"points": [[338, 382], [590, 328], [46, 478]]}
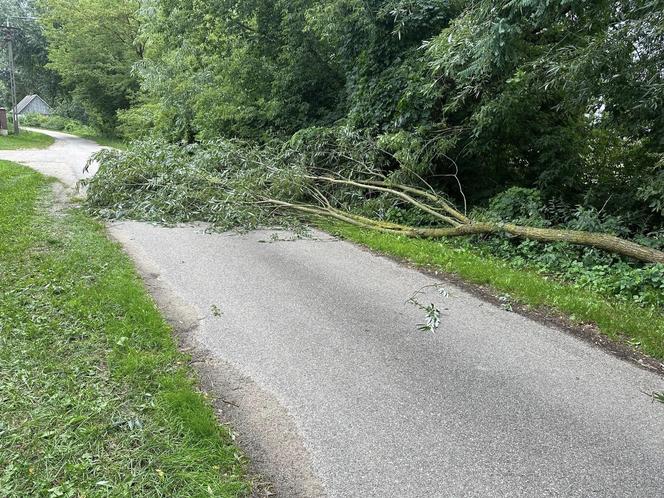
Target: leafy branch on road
{"points": [[431, 311], [236, 184]]}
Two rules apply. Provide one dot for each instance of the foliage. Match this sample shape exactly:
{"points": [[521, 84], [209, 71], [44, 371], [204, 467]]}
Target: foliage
{"points": [[93, 46], [70, 107], [473, 97], [141, 121], [266, 72], [544, 113], [96, 399], [228, 182], [518, 205], [225, 181], [57, 123], [556, 96], [585, 268], [560, 95], [220, 182], [431, 311], [30, 53]]}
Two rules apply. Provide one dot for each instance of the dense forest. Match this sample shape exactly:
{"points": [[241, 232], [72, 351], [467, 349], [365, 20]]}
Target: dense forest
{"points": [[544, 113]]}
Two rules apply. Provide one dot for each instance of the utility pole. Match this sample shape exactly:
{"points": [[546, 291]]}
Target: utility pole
{"points": [[9, 39], [12, 79]]}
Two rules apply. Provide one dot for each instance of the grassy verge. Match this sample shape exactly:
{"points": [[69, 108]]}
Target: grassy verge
{"points": [[73, 127], [116, 143], [100, 139], [25, 140], [95, 399], [625, 321]]}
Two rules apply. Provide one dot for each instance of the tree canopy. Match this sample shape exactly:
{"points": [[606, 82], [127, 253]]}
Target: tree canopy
{"points": [[30, 53], [93, 45], [555, 100]]}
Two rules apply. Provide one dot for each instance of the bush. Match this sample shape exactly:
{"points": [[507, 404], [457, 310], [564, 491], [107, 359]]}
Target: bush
{"points": [[58, 123], [584, 267], [140, 121], [523, 206]]}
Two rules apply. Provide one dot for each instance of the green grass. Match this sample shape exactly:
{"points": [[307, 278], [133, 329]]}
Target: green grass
{"points": [[116, 143], [623, 321], [104, 140], [72, 127], [95, 399], [25, 140]]}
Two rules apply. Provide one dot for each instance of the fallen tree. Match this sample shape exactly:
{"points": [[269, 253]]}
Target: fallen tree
{"points": [[237, 185], [457, 224]]}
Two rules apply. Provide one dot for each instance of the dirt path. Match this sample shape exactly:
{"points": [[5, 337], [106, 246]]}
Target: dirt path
{"points": [[318, 365]]}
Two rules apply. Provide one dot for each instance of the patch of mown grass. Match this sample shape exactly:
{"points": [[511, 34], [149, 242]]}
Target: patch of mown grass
{"points": [[95, 399], [25, 140], [620, 320]]}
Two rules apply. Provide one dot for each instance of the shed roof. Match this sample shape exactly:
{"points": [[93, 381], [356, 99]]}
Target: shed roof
{"points": [[26, 102]]}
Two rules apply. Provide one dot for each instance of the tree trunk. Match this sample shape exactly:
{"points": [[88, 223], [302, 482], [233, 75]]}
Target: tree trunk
{"points": [[603, 241], [458, 223], [609, 243]]}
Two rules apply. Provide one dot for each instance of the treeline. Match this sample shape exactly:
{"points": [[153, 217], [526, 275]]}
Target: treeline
{"points": [[81, 79], [565, 97], [31, 54]]}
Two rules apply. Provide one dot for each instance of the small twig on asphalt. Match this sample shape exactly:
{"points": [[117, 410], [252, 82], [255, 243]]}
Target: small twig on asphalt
{"points": [[431, 311]]}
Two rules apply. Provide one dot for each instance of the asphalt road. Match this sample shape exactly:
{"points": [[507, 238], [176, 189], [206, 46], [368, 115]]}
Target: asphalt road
{"points": [[316, 357]]}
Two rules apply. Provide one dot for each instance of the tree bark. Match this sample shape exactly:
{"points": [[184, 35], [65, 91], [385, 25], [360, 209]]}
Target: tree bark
{"points": [[603, 241], [459, 224]]}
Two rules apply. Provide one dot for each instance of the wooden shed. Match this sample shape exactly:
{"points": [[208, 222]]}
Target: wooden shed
{"points": [[33, 104]]}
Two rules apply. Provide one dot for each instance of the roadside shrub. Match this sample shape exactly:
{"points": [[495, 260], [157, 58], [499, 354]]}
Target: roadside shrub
{"points": [[71, 107], [140, 121], [58, 123], [583, 267], [523, 206]]}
